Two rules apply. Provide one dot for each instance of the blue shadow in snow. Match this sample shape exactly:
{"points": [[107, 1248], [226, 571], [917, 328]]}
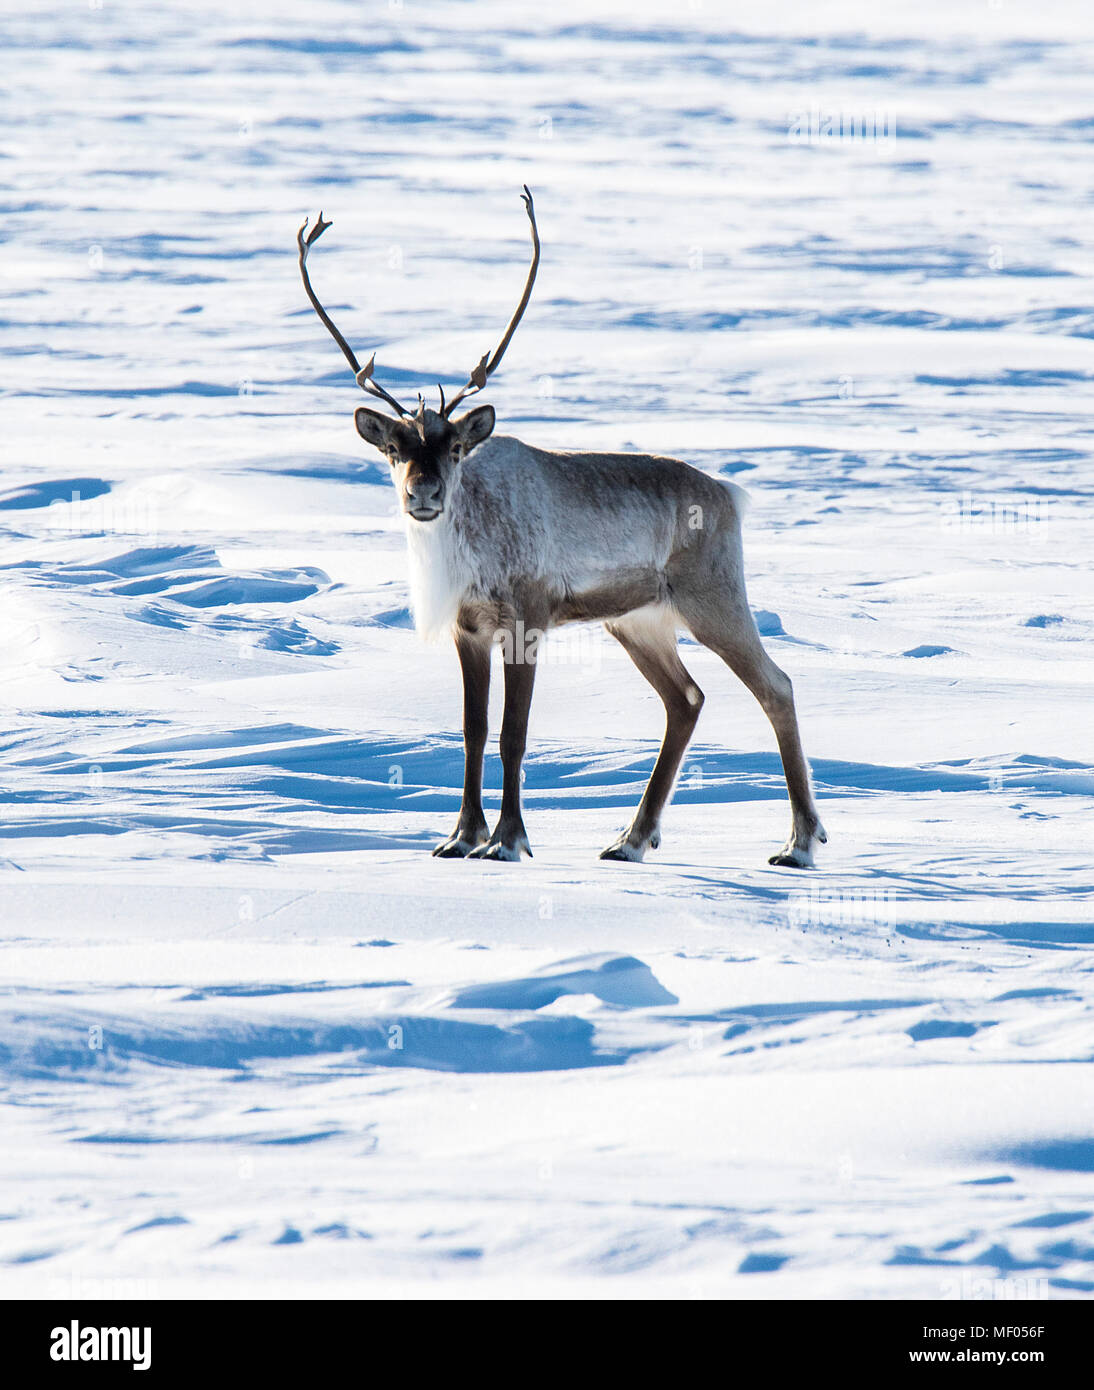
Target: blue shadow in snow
{"points": [[57, 490]]}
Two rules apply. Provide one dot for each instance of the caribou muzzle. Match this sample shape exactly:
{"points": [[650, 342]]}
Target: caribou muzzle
{"points": [[424, 498]]}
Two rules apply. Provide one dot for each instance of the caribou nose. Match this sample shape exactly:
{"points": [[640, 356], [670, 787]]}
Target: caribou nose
{"points": [[424, 495]]}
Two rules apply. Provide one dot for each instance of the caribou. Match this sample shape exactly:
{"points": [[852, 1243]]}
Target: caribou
{"points": [[507, 541]]}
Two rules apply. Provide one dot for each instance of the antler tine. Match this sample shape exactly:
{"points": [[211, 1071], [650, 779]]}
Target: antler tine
{"points": [[366, 383], [362, 375], [488, 362]]}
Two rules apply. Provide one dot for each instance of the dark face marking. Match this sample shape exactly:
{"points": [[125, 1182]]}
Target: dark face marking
{"points": [[424, 451], [423, 461]]}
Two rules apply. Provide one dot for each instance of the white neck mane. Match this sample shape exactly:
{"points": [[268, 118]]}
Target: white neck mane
{"points": [[439, 574]]}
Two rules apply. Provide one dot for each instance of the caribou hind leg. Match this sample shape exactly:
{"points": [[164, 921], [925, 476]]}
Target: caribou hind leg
{"points": [[650, 642], [726, 626], [471, 831]]}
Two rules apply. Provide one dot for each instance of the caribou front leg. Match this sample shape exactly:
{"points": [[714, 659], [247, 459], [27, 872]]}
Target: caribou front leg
{"points": [[510, 839], [470, 831]]}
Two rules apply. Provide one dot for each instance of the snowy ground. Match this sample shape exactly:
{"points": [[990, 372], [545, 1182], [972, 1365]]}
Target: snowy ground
{"points": [[255, 1039]]}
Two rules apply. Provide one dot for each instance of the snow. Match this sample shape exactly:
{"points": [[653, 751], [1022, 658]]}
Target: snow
{"points": [[255, 1040]]}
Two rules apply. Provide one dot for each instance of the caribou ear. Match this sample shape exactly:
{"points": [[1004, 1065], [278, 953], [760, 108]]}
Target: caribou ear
{"points": [[374, 427], [475, 426]]}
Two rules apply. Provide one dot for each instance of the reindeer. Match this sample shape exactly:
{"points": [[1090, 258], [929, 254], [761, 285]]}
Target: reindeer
{"points": [[507, 541]]}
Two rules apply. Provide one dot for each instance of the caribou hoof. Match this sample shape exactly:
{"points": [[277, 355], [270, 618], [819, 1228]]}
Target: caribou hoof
{"points": [[500, 853], [792, 859], [455, 848], [625, 852], [504, 848], [795, 855]]}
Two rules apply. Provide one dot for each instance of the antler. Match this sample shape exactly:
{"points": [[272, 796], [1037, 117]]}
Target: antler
{"points": [[488, 362], [363, 375]]}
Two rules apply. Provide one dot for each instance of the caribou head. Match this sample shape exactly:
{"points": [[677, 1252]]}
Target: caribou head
{"points": [[424, 447]]}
